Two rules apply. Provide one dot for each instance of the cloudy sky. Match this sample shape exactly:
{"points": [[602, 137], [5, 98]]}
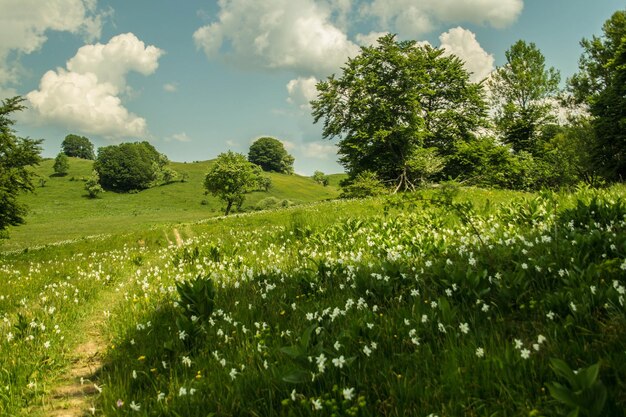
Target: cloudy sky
{"points": [[199, 77]]}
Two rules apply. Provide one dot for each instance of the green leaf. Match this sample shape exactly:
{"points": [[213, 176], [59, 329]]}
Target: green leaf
{"points": [[562, 394], [293, 351], [588, 376], [562, 369], [306, 336], [297, 376]]}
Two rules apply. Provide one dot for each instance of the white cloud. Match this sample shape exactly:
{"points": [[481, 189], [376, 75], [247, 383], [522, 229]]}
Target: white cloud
{"points": [[298, 35], [369, 39], [319, 150], [170, 87], [302, 91], [24, 23], [181, 137], [462, 43], [86, 95], [413, 18]]}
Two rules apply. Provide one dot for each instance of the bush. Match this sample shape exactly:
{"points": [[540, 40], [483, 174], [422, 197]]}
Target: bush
{"points": [[267, 203], [61, 165], [365, 184], [129, 166], [320, 178]]}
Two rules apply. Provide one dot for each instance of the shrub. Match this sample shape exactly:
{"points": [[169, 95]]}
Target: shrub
{"points": [[365, 184]]}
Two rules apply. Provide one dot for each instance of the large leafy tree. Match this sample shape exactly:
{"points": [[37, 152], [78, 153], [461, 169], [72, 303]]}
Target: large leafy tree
{"points": [[78, 147], [601, 85], [129, 166], [231, 177], [16, 155], [392, 100], [523, 92], [270, 154]]}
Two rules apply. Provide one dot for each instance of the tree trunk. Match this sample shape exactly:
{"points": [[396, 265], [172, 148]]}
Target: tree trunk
{"points": [[228, 207]]}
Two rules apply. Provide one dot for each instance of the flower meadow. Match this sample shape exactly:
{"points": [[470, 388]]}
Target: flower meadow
{"points": [[430, 307]]}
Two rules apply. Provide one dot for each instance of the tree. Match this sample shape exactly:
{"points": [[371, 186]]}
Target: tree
{"points": [[601, 86], [320, 178], [16, 155], [92, 185], [78, 147], [393, 99], [232, 176], [129, 166], [364, 184], [270, 154], [61, 164], [522, 90]]}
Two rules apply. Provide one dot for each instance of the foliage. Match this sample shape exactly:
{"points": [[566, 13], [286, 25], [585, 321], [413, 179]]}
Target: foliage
{"points": [[16, 155], [168, 175], [422, 166], [585, 395], [129, 166], [92, 185], [270, 154], [601, 85], [521, 91], [393, 99], [482, 162], [365, 184], [320, 178], [78, 147], [61, 164], [231, 177], [265, 183]]}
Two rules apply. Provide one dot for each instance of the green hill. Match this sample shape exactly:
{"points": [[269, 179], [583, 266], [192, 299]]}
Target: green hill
{"points": [[59, 210]]}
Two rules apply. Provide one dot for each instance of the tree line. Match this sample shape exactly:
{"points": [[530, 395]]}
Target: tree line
{"points": [[404, 114]]}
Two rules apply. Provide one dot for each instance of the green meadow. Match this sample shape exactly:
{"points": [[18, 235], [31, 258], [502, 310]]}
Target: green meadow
{"points": [[443, 302]]}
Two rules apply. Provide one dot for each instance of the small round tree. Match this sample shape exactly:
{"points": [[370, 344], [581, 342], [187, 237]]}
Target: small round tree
{"points": [[270, 154], [78, 147], [232, 176], [61, 165]]}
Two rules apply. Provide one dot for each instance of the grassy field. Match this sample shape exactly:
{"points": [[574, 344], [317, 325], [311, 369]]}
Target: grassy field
{"points": [[416, 305], [61, 211]]}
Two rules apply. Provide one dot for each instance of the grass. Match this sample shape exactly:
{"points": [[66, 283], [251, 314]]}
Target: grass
{"points": [[373, 307], [61, 211]]}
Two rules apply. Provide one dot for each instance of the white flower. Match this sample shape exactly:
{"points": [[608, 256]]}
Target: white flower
{"points": [[518, 344], [135, 407], [541, 338], [550, 315], [339, 362], [367, 350], [160, 397], [9, 337], [441, 327], [47, 345], [572, 306], [536, 346], [233, 373], [186, 361], [317, 404], [424, 318], [524, 265], [480, 352], [321, 362], [348, 393], [293, 395], [134, 374], [182, 391], [464, 327], [337, 345], [525, 353]]}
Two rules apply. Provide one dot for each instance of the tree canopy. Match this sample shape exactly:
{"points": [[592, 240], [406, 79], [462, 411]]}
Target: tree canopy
{"points": [[16, 155], [601, 86], [270, 154], [129, 166], [232, 176], [521, 91], [392, 100], [61, 164], [78, 147]]}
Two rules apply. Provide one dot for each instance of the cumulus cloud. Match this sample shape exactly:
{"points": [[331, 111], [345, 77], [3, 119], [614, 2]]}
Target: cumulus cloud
{"points": [[86, 95], [319, 150], [299, 35], [369, 39], [24, 24], [462, 43], [413, 18], [301, 91], [181, 137], [170, 87]]}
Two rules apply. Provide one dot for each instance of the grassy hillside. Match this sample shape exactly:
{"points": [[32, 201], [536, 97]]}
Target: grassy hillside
{"points": [[61, 211], [380, 307]]}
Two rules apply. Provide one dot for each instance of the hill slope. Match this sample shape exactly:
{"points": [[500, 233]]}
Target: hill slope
{"points": [[61, 211]]}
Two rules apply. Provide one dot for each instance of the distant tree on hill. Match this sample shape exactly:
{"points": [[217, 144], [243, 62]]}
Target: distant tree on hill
{"points": [[61, 164], [16, 155], [231, 177], [270, 155], [78, 147], [92, 185], [129, 166], [320, 178]]}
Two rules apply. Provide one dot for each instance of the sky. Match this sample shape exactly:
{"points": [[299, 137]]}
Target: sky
{"points": [[200, 77]]}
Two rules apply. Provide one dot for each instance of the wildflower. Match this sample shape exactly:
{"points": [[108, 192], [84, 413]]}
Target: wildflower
{"points": [[541, 338], [192, 391], [160, 397], [448, 292], [135, 407], [441, 327], [293, 395], [518, 344], [464, 327], [524, 265], [46, 345], [337, 345], [348, 393], [186, 361], [339, 362], [134, 374], [98, 388], [321, 362], [424, 318], [233, 373], [9, 337], [367, 350], [317, 404], [536, 346], [572, 306], [433, 304], [119, 403], [550, 315], [182, 391], [480, 352], [525, 353]]}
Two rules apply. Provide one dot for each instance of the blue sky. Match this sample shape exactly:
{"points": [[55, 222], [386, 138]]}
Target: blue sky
{"points": [[199, 77]]}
